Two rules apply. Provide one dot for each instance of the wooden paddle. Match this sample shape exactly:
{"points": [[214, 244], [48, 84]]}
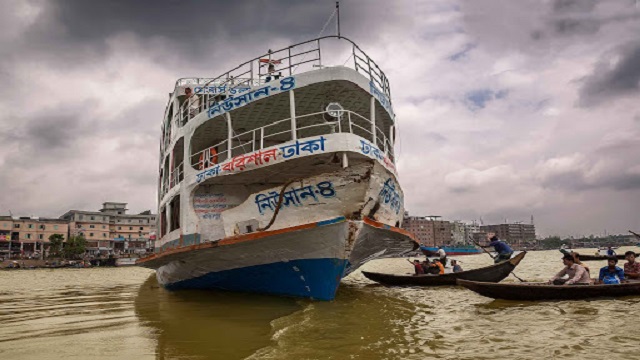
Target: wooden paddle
{"points": [[494, 257]]}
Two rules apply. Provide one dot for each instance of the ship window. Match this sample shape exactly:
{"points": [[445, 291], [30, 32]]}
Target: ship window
{"points": [[175, 214]]}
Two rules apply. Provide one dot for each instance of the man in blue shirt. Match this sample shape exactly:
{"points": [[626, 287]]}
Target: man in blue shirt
{"points": [[610, 252], [502, 248], [611, 274]]}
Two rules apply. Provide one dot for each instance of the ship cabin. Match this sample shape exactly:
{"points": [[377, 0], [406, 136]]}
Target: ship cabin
{"points": [[269, 120]]}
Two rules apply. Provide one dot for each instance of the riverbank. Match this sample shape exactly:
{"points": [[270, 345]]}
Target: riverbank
{"points": [[61, 263]]}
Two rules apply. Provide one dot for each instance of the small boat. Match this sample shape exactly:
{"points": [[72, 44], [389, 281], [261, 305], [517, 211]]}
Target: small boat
{"points": [[594, 257], [544, 291], [126, 262], [599, 257], [493, 273], [451, 250]]}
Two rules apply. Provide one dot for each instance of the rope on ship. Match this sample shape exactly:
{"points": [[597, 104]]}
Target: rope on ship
{"points": [[280, 198]]}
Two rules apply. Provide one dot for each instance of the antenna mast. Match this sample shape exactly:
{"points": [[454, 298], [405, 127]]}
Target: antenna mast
{"points": [[338, 13]]}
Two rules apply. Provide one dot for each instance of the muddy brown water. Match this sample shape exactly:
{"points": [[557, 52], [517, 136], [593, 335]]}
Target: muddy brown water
{"points": [[122, 313]]}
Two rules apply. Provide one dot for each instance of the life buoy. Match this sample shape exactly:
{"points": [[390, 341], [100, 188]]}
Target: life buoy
{"points": [[212, 159]]}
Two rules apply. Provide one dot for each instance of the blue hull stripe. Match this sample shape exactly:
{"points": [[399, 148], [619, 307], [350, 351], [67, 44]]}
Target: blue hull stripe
{"points": [[310, 278], [447, 249]]}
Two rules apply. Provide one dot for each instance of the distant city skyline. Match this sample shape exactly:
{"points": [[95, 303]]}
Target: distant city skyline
{"points": [[505, 108]]}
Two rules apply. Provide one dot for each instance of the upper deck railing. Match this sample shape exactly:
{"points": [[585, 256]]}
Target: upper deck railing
{"points": [[283, 62]]}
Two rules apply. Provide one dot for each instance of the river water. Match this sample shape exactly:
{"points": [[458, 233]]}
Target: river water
{"points": [[123, 313]]}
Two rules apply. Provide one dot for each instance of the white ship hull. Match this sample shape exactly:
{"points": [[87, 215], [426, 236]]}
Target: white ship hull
{"points": [[314, 243], [308, 261]]}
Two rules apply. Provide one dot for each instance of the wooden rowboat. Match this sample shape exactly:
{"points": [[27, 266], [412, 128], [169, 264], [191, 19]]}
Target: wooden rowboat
{"points": [[598, 257], [544, 291], [493, 273]]}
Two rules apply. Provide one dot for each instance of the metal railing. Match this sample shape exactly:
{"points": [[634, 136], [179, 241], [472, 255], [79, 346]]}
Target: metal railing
{"points": [[280, 131], [283, 62], [177, 175]]}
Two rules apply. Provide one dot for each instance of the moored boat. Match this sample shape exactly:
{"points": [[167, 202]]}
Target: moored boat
{"points": [[451, 250], [594, 257], [493, 273], [279, 176], [126, 262], [544, 291]]}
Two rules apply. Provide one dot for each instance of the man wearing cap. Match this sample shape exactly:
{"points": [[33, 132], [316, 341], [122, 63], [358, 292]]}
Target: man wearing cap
{"points": [[577, 273], [632, 267]]}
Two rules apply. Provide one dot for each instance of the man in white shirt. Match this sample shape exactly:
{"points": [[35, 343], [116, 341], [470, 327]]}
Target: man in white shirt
{"points": [[193, 102], [442, 255], [576, 273]]}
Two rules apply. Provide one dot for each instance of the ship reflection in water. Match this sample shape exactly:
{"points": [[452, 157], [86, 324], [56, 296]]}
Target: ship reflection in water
{"points": [[211, 324]]}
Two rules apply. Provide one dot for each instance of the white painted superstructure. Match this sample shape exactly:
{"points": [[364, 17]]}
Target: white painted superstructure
{"points": [[279, 175]]}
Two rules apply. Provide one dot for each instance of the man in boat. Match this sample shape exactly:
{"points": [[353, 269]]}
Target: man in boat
{"points": [[426, 266], [632, 267], [610, 252], [502, 248], [576, 258], [611, 274], [578, 275], [436, 267], [455, 266], [442, 255], [417, 266]]}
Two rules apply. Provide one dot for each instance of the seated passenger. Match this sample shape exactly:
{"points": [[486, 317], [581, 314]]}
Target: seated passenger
{"points": [[576, 258], [610, 252], [611, 274], [632, 267], [578, 275], [456, 267], [425, 267], [417, 267], [436, 267]]}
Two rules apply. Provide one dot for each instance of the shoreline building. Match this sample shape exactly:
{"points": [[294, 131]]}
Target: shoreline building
{"points": [[429, 230], [515, 233], [28, 236], [111, 230]]}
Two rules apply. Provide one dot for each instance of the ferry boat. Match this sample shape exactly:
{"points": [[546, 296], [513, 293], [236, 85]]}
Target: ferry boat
{"points": [[279, 175], [451, 250]]}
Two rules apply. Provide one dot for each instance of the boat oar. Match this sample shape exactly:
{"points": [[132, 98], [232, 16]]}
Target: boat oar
{"points": [[488, 253], [483, 249]]}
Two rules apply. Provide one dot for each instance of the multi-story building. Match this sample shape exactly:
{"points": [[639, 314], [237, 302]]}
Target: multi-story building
{"points": [[28, 236], [428, 229], [112, 230], [459, 232], [515, 233]]}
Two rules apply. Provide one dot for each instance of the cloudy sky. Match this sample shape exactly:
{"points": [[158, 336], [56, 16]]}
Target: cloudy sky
{"points": [[506, 109]]}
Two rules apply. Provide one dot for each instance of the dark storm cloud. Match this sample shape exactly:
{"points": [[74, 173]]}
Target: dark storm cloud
{"points": [[196, 28], [50, 131], [571, 6], [612, 79]]}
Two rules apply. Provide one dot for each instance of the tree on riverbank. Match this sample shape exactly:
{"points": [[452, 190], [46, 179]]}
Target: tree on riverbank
{"points": [[55, 245], [74, 247]]}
